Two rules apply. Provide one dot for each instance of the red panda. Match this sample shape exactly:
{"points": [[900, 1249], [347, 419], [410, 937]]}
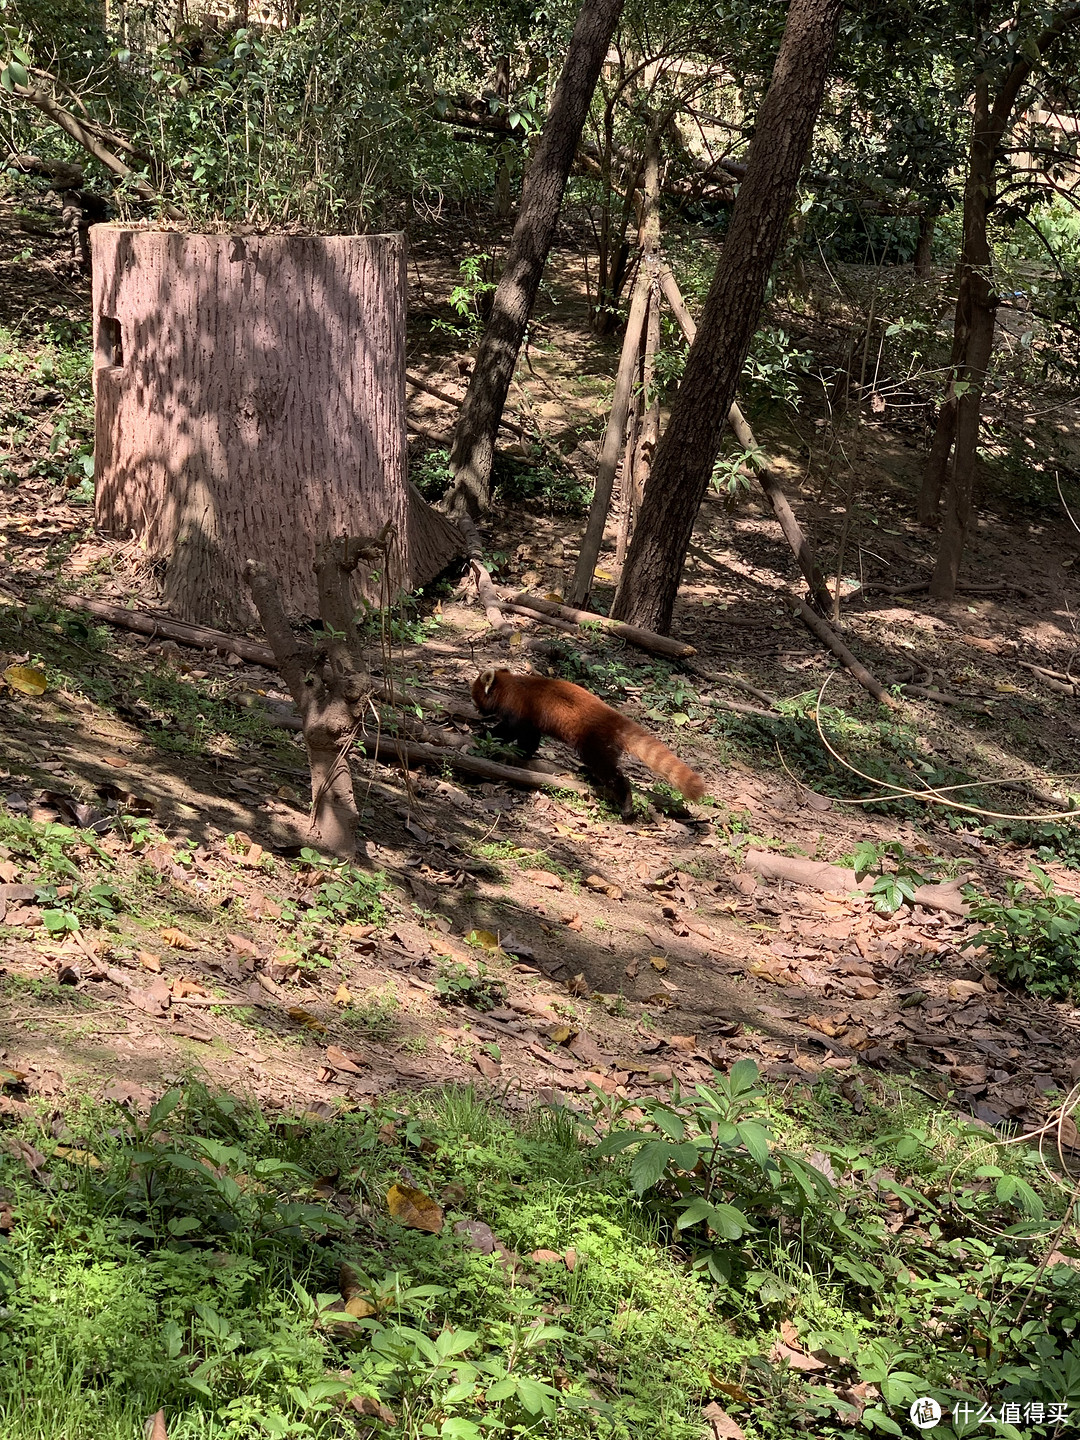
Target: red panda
{"points": [[529, 706]]}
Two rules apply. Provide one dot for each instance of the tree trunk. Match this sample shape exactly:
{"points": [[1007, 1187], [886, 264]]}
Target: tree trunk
{"points": [[614, 439], [250, 400], [767, 478], [973, 339], [688, 449], [975, 308], [973, 331], [924, 246], [474, 439], [628, 506], [937, 463], [502, 178], [650, 244]]}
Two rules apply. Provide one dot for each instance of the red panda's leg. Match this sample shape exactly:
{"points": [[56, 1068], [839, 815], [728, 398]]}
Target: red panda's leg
{"points": [[521, 733], [601, 758]]}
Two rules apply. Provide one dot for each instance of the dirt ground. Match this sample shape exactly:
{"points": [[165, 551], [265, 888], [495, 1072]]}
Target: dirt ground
{"points": [[630, 954]]}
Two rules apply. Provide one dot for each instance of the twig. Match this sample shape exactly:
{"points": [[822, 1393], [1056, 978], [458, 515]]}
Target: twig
{"points": [[50, 106], [828, 637], [929, 794], [457, 401], [714, 677], [634, 634], [924, 692]]}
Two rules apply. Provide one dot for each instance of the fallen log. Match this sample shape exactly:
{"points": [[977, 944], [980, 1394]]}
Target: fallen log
{"points": [[161, 627], [634, 634], [393, 751], [818, 875], [717, 677]]}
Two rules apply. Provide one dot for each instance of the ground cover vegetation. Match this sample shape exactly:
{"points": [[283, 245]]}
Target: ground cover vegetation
{"points": [[752, 1117]]}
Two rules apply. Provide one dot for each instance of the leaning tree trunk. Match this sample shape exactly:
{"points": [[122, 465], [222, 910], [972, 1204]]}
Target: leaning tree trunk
{"points": [[474, 440], [687, 452], [503, 151]]}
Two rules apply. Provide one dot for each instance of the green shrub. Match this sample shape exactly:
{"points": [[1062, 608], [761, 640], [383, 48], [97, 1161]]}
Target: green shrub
{"points": [[1033, 940]]}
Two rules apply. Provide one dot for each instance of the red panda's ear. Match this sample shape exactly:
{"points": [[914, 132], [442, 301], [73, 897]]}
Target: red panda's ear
{"points": [[487, 680]]}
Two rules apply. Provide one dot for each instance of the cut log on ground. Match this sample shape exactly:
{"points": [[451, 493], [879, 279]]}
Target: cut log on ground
{"points": [[817, 875], [406, 754]]}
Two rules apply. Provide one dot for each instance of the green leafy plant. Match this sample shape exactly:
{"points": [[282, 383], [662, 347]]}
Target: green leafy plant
{"points": [[456, 984], [470, 298], [891, 888], [66, 907], [1033, 937], [337, 893], [709, 1163]]}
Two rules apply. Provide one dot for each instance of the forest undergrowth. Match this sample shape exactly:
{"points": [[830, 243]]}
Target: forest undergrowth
{"points": [[535, 1120]]}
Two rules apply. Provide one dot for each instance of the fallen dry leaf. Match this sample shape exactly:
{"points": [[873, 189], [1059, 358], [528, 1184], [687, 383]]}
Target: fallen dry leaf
{"points": [[603, 887], [483, 938], [78, 1157], [306, 1020], [368, 1405], [797, 1359], [148, 960], [489, 1068], [347, 1060], [154, 1000], [721, 1424], [182, 987], [544, 878], [826, 1024], [26, 679], [415, 1209], [32, 1158], [177, 939], [343, 995]]}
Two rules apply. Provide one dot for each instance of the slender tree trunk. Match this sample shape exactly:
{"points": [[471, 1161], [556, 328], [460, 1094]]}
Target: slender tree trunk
{"points": [[628, 501], [614, 440], [474, 439], [688, 449], [640, 310], [924, 246], [937, 462], [649, 435], [973, 332], [975, 308], [767, 478], [502, 178]]}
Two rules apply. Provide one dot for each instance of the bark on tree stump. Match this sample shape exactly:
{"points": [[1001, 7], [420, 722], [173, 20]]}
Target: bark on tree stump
{"points": [[250, 403]]}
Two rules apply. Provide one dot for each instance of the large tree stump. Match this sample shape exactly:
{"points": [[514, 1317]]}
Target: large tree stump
{"points": [[250, 404]]}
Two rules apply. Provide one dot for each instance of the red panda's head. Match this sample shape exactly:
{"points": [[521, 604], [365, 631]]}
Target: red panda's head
{"points": [[483, 691]]}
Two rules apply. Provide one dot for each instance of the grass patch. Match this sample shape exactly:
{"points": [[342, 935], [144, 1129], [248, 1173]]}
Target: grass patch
{"points": [[194, 1262]]}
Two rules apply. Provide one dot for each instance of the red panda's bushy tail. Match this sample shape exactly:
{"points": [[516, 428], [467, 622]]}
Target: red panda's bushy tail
{"points": [[649, 750]]}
